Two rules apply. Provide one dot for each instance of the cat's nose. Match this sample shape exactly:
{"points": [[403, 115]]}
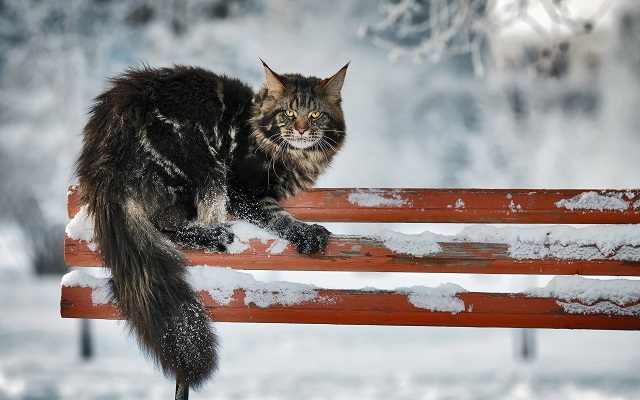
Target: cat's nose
{"points": [[301, 130]]}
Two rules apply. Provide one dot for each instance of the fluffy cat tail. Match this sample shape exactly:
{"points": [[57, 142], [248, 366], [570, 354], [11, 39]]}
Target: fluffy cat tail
{"points": [[150, 286]]}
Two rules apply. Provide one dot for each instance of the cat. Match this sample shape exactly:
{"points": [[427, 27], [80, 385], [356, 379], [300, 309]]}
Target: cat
{"points": [[167, 154]]}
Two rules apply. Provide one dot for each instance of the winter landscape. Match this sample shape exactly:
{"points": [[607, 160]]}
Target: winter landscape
{"points": [[526, 104]]}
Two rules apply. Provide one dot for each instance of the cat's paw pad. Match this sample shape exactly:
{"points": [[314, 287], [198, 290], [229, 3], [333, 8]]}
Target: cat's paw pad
{"points": [[308, 239]]}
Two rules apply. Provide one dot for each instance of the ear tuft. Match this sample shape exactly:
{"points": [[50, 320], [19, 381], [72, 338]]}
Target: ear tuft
{"points": [[274, 81], [332, 86]]}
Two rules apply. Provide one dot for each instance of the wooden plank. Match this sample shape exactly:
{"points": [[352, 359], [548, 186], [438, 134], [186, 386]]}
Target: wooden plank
{"points": [[352, 307], [365, 254], [76, 302], [521, 206]]}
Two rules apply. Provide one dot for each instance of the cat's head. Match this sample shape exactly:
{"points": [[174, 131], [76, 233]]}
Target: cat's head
{"points": [[293, 113]]}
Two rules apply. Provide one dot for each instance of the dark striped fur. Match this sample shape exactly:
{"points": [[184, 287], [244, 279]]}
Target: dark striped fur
{"points": [[167, 154]]}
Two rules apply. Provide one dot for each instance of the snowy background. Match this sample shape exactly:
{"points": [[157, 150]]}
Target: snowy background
{"points": [[551, 109]]}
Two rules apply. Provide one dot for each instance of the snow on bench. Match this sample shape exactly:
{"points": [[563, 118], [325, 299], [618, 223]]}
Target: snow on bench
{"points": [[610, 246]]}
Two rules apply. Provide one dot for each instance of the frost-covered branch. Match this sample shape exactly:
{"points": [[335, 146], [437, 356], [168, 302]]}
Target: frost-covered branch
{"points": [[436, 30]]}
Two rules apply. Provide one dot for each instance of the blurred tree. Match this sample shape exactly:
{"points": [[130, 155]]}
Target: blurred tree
{"points": [[437, 30], [18, 205], [630, 38]]}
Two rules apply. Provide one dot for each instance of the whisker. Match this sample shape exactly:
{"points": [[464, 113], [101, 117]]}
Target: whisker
{"points": [[327, 139], [332, 131]]}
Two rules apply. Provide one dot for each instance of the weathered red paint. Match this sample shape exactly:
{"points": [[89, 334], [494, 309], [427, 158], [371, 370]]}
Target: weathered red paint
{"points": [[363, 254], [518, 206], [353, 307]]}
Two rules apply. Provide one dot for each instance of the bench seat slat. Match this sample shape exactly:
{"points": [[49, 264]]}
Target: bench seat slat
{"points": [[353, 307], [518, 206], [365, 254]]}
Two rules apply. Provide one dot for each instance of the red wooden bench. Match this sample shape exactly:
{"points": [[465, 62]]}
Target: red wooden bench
{"points": [[611, 247], [371, 254]]}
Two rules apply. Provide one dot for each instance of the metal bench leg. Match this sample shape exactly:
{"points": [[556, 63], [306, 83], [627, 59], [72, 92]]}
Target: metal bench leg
{"points": [[182, 391], [86, 342]]}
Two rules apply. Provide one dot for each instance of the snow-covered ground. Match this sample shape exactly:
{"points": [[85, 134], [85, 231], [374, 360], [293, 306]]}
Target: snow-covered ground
{"points": [[39, 359]]}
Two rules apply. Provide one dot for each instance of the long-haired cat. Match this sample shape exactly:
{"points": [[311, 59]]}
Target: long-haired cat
{"points": [[167, 154]]}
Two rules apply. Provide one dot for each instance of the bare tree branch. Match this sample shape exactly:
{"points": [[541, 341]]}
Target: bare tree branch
{"points": [[436, 30]]}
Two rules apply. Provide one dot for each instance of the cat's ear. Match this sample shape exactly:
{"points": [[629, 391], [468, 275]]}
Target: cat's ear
{"points": [[274, 81], [332, 86]]}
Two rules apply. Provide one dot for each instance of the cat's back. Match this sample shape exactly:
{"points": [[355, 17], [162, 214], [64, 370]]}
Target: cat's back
{"points": [[151, 118], [182, 92]]}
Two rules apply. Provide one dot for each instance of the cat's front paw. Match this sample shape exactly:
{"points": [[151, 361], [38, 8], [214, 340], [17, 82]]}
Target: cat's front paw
{"points": [[217, 238], [213, 238], [308, 239]]}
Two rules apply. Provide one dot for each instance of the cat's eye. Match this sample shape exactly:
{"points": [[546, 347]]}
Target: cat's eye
{"points": [[290, 113], [314, 114]]}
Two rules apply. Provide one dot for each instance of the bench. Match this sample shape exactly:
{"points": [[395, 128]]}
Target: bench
{"points": [[608, 246]]}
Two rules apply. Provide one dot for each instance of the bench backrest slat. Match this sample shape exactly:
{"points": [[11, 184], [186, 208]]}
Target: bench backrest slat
{"points": [[498, 206]]}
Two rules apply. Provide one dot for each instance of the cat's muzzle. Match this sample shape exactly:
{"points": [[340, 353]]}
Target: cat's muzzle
{"points": [[301, 141]]}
